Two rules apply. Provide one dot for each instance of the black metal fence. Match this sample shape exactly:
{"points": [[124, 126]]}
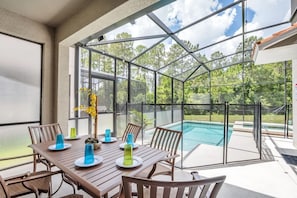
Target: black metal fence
{"points": [[239, 127]]}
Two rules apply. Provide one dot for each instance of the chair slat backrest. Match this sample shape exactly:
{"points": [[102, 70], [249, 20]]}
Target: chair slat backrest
{"points": [[44, 133], [178, 189], [131, 128], [166, 140]]}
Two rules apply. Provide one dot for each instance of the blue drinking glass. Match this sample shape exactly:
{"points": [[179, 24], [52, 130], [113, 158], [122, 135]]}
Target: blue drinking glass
{"points": [[130, 139], [59, 141], [107, 135], [89, 154]]}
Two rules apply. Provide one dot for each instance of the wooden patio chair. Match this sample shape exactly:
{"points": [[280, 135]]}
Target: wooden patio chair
{"points": [[36, 182], [29, 183], [166, 140], [143, 187], [23, 184], [131, 128], [45, 133]]}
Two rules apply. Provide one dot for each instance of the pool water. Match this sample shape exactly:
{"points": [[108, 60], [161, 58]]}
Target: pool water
{"points": [[195, 133]]}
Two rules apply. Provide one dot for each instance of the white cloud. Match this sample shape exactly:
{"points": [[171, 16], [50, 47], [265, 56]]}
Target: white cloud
{"points": [[189, 11], [183, 12], [143, 27], [272, 12], [268, 12], [210, 30]]}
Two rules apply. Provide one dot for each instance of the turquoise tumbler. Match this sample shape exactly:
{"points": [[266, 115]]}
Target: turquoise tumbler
{"points": [[89, 154], [59, 141], [107, 135]]}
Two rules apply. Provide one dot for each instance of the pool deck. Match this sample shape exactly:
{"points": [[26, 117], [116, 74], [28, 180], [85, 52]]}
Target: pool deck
{"points": [[241, 147], [272, 176], [267, 178]]}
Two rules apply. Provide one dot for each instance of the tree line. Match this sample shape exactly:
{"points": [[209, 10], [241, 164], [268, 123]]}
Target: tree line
{"points": [[233, 78]]}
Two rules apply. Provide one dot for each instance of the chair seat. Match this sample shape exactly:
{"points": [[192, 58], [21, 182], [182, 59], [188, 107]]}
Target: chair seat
{"points": [[16, 185], [17, 190], [161, 169], [43, 183]]}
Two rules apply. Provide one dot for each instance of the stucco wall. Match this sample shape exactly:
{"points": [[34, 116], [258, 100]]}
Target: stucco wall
{"points": [[19, 26], [294, 91]]}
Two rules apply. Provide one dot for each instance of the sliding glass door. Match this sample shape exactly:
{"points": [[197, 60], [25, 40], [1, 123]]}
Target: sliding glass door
{"points": [[104, 89]]}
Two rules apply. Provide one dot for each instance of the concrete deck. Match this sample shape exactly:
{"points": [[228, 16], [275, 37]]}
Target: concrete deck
{"points": [[266, 178], [240, 147]]}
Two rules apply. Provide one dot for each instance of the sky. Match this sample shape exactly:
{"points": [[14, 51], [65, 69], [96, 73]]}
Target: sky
{"points": [[179, 14]]}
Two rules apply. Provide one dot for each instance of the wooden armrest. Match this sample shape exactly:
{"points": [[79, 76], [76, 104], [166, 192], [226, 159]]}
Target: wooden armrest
{"points": [[28, 177], [19, 176]]}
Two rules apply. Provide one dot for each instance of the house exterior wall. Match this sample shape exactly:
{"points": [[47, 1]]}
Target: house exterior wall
{"points": [[294, 91]]}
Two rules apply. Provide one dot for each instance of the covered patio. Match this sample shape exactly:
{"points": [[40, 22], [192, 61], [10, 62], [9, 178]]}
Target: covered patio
{"points": [[158, 63]]}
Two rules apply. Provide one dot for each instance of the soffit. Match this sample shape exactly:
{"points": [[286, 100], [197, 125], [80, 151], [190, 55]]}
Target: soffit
{"points": [[51, 13]]}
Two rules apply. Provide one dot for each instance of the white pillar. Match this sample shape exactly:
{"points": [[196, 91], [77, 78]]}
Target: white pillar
{"points": [[294, 103], [62, 88]]}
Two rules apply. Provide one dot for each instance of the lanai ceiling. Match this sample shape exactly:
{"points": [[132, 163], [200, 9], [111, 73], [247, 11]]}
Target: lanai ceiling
{"points": [[51, 13], [208, 35]]}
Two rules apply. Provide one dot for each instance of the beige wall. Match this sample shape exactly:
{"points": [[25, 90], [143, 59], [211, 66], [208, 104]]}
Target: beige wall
{"points": [[22, 27], [294, 103]]}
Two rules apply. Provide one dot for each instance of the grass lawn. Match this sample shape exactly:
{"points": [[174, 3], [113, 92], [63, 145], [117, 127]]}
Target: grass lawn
{"points": [[16, 151], [268, 118]]}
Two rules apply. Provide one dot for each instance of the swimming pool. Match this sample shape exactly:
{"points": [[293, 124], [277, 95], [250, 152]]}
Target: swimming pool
{"points": [[195, 133]]}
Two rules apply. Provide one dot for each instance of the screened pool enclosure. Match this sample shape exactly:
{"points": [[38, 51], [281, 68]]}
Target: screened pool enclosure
{"points": [[188, 61], [187, 64]]}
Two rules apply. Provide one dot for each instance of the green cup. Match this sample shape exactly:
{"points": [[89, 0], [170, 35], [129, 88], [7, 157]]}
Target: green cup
{"points": [[128, 158], [73, 133]]}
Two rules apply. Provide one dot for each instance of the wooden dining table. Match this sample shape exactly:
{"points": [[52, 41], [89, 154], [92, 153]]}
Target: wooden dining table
{"points": [[97, 180]]}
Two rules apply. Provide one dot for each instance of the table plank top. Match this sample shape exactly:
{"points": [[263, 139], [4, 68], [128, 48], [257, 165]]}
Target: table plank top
{"points": [[100, 179]]}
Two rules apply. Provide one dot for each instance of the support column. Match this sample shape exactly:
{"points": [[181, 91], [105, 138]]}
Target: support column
{"points": [[294, 103], [62, 88]]}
